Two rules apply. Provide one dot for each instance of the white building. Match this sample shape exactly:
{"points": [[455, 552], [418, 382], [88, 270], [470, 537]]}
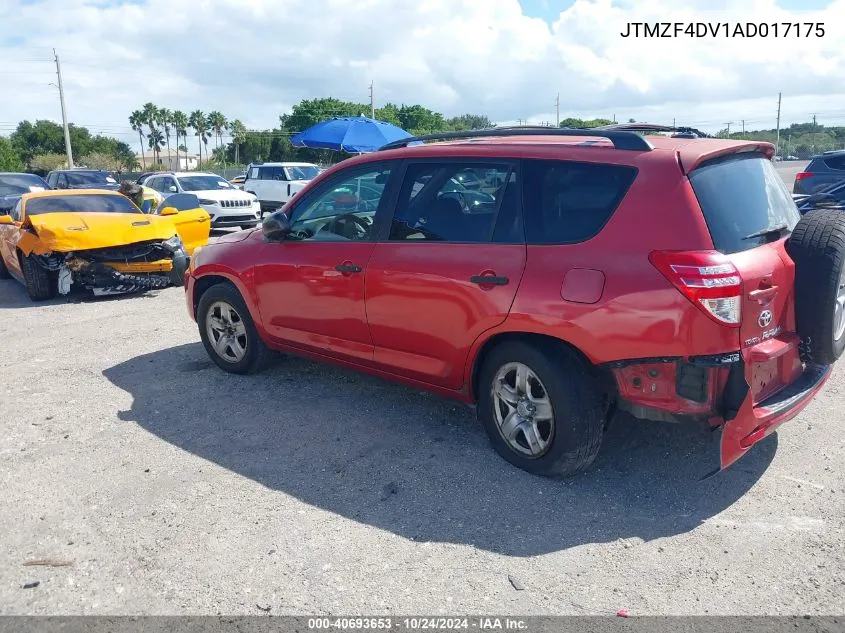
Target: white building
{"points": [[186, 162]]}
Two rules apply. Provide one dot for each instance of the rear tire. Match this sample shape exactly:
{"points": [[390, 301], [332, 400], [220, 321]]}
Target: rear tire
{"points": [[228, 333], [817, 246], [557, 384], [41, 284]]}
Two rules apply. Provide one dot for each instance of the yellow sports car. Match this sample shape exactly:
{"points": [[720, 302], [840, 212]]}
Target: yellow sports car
{"points": [[54, 241]]}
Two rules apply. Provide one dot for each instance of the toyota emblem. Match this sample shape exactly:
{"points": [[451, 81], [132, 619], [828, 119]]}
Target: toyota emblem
{"points": [[765, 318]]}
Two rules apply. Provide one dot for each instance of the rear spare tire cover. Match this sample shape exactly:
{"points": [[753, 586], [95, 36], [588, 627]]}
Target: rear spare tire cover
{"points": [[817, 246]]}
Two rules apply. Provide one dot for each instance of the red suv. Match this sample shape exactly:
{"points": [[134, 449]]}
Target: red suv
{"points": [[584, 272]]}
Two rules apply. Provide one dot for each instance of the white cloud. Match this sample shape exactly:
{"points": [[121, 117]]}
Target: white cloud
{"points": [[254, 60]]}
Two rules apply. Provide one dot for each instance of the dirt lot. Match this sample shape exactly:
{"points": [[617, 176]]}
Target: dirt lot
{"points": [[169, 487]]}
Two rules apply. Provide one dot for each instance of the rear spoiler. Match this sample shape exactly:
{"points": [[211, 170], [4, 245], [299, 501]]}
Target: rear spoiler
{"points": [[690, 163]]}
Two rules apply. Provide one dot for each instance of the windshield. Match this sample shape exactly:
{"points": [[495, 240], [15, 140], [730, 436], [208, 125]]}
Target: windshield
{"points": [[90, 178], [302, 172], [204, 183], [17, 184], [740, 197], [85, 203]]}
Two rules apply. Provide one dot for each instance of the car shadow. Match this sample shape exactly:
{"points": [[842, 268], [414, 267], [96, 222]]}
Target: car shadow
{"points": [[13, 295], [420, 466]]}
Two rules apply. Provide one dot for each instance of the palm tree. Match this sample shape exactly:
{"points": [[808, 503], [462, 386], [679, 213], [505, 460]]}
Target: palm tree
{"points": [[218, 124], [136, 120], [150, 114], [156, 140], [199, 124], [180, 123], [238, 130], [165, 118]]}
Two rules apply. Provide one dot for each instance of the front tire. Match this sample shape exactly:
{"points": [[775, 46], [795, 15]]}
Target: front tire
{"points": [[541, 409], [41, 284], [228, 333]]}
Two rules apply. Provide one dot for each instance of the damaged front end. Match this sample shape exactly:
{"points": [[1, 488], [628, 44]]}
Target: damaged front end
{"points": [[119, 269]]}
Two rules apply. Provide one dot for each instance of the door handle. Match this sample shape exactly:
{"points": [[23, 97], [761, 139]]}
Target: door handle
{"points": [[348, 268], [489, 280], [203, 220], [761, 293]]}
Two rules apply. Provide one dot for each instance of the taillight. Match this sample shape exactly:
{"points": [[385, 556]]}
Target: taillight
{"points": [[707, 279], [802, 175]]}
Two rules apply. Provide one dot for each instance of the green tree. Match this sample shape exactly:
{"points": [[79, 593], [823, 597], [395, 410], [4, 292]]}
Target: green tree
{"points": [[238, 130], [180, 124], [417, 119], [199, 124], [9, 158], [136, 120], [165, 119], [149, 113], [100, 160], [217, 124], [48, 162], [470, 122]]}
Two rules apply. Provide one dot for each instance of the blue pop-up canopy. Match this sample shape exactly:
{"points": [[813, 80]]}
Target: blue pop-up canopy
{"points": [[355, 135]]}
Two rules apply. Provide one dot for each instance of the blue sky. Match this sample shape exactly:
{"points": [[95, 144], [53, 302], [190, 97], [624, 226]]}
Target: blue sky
{"points": [[453, 57], [549, 10]]}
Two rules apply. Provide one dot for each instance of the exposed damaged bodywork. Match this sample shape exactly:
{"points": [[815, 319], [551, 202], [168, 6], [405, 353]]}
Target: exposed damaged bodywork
{"points": [[119, 269]]}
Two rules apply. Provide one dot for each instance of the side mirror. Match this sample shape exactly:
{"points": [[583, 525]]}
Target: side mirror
{"points": [[6, 219], [276, 226], [172, 189], [169, 211]]}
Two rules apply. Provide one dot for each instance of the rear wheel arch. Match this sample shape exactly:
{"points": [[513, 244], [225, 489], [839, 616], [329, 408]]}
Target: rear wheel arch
{"points": [[542, 341]]}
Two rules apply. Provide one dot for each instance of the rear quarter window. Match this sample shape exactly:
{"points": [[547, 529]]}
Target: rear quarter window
{"points": [[835, 162], [568, 202], [740, 197]]}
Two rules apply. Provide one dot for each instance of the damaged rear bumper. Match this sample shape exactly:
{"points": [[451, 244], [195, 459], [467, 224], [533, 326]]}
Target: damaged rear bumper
{"points": [[752, 423]]}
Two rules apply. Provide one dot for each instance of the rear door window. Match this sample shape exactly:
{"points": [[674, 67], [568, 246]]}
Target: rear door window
{"points": [[435, 204], [740, 197], [567, 202]]}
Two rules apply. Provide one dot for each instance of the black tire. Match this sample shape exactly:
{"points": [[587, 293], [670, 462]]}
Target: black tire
{"points": [[257, 353], [4, 272], [817, 246], [576, 402], [41, 284]]}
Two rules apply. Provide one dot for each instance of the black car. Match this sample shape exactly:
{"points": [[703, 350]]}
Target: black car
{"points": [[830, 197], [822, 171], [14, 185], [82, 179]]}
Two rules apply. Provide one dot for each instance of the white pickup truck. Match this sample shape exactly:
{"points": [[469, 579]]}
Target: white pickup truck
{"points": [[276, 183]]}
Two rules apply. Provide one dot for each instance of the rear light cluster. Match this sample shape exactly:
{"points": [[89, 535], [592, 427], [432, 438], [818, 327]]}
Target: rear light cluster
{"points": [[802, 175], [707, 279]]}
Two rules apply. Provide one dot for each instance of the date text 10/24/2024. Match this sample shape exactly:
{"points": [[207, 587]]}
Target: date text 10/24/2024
{"points": [[723, 29]]}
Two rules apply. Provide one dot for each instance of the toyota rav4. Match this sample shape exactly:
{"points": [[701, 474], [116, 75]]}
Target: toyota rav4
{"points": [[589, 271]]}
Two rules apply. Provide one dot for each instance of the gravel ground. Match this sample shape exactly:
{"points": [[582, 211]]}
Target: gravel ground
{"points": [[154, 483]]}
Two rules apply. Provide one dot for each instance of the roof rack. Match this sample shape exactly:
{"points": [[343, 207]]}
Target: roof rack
{"points": [[621, 139], [654, 127]]}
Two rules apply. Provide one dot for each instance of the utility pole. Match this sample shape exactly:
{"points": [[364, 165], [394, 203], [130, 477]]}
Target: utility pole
{"points": [[557, 110], [728, 124], [815, 127], [743, 126], [372, 102], [673, 122], [777, 132], [64, 112]]}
